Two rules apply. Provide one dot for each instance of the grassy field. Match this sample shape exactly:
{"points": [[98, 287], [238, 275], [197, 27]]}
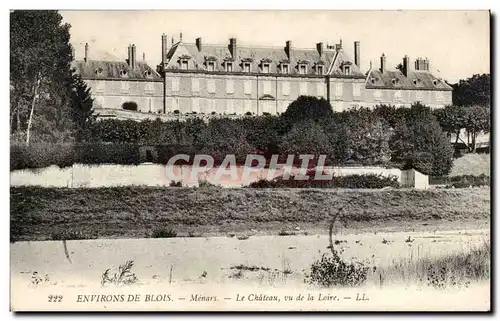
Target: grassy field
{"points": [[471, 164], [48, 213]]}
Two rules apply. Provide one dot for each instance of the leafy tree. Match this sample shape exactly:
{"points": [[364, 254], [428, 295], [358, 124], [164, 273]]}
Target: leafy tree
{"points": [[421, 144], [307, 108], [40, 56], [82, 112], [473, 91], [307, 137], [367, 136]]}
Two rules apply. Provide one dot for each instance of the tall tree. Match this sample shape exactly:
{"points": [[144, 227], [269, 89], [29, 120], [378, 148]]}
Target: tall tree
{"points": [[473, 91], [40, 57]]}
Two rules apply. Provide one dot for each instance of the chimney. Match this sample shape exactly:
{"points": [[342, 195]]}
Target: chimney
{"points": [[320, 47], [198, 44], [288, 49], [163, 48], [232, 47], [134, 57], [129, 56], [356, 54], [382, 63], [406, 65], [86, 52]]}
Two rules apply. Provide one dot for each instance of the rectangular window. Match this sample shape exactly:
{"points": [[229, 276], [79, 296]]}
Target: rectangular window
{"points": [[175, 103], [303, 88], [100, 87], [284, 69], [320, 89], [439, 97], [397, 95], [229, 106], [195, 85], [377, 94], [125, 87], [149, 88], [211, 106], [184, 65], [285, 88], [266, 87], [338, 89], [356, 90], [248, 105], [196, 105], [175, 84], [211, 86], [319, 70], [211, 66], [229, 66], [302, 69], [247, 87], [246, 67], [265, 68], [229, 86]]}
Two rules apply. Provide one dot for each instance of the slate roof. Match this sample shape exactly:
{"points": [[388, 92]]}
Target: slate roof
{"points": [[100, 69], [394, 79], [331, 59]]}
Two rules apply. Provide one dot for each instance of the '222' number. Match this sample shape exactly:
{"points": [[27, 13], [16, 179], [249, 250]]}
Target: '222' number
{"points": [[55, 298]]}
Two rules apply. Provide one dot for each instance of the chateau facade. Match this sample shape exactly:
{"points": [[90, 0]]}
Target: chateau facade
{"points": [[236, 80]]}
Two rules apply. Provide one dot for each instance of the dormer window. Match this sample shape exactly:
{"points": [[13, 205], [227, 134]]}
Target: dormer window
{"points": [[319, 70], [302, 69], [395, 81], [184, 64], [123, 73], [147, 73], [373, 81], [435, 82], [228, 66], [416, 81], [284, 69], [347, 70], [210, 65], [247, 67], [98, 71], [265, 68]]}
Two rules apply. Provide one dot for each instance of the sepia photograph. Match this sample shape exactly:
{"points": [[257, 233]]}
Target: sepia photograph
{"points": [[232, 160]]}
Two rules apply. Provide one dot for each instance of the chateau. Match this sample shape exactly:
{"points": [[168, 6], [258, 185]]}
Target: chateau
{"points": [[205, 79]]}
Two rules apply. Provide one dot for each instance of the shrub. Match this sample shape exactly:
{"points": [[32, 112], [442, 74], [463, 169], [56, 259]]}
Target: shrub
{"points": [[163, 233], [177, 112], [175, 184], [333, 271], [73, 235], [124, 276], [130, 105], [348, 181]]}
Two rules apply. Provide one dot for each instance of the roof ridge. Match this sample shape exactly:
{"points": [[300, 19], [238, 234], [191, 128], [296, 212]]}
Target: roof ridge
{"points": [[255, 47]]}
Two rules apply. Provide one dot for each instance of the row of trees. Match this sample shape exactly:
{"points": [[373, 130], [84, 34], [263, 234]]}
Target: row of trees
{"points": [[410, 136], [47, 101]]}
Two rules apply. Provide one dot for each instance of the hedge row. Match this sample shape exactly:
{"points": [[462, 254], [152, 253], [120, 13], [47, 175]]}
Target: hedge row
{"points": [[368, 181], [462, 181]]}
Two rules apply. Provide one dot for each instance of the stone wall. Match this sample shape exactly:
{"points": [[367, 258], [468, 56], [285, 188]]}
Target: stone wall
{"points": [[160, 175]]}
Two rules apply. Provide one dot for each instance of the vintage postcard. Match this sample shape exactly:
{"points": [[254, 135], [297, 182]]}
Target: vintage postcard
{"points": [[250, 160]]}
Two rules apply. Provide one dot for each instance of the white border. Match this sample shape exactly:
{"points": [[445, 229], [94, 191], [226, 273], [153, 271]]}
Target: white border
{"points": [[196, 5]]}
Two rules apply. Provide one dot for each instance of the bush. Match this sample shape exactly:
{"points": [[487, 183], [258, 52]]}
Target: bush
{"points": [[164, 233], [73, 235], [130, 105], [333, 271], [348, 181], [462, 181]]}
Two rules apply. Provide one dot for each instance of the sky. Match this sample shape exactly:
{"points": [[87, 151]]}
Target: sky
{"points": [[457, 43]]}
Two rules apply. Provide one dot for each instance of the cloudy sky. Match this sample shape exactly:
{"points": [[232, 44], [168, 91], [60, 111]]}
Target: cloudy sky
{"points": [[456, 42]]}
